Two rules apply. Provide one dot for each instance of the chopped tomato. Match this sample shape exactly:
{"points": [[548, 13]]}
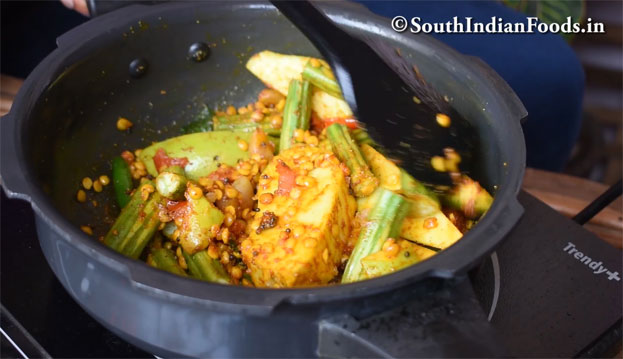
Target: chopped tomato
{"points": [[349, 122], [128, 157], [287, 179], [177, 209], [260, 145], [162, 161], [457, 218], [224, 174], [316, 124]]}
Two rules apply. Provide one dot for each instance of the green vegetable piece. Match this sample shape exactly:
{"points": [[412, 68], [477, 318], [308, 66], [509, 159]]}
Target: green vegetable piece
{"points": [[469, 197], [384, 221], [296, 112], [202, 123], [322, 78], [204, 152], [362, 180], [385, 262], [166, 260], [169, 229], [396, 179], [423, 201], [137, 222], [243, 123], [275, 141], [362, 137], [195, 229], [171, 184], [122, 181], [433, 230], [203, 267]]}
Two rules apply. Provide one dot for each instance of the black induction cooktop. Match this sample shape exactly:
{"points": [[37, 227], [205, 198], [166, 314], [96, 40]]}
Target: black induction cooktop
{"points": [[552, 289]]}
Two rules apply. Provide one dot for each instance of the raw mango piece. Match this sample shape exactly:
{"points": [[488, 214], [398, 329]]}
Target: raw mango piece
{"points": [[276, 70], [390, 260], [423, 201], [203, 150], [328, 107], [386, 171], [319, 217], [434, 230], [393, 178]]}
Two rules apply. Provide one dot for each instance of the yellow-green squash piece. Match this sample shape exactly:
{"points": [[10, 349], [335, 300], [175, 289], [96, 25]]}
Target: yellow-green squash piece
{"points": [[276, 70], [389, 260], [386, 171], [434, 230], [326, 106], [393, 178], [203, 150]]}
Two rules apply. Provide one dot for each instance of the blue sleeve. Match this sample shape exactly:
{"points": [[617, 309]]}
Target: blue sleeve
{"points": [[541, 68]]}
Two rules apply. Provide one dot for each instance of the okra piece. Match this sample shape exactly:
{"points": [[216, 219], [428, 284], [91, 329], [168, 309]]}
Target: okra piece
{"points": [[196, 225], [469, 197], [362, 137], [322, 78], [384, 221], [171, 183], [137, 222], [122, 181], [243, 123], [204, 267], [402, 255], [296, 112], [166, 260], [362, 180]]}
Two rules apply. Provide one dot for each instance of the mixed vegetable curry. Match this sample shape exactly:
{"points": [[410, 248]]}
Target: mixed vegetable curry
{"points": [[287, 191]]}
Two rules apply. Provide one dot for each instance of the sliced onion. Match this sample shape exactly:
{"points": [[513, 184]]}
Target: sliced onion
{"points": [[245, 190], [260, 145]]}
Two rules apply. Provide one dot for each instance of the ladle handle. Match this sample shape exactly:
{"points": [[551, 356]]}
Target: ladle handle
{"points": [[100, 7], [317, 27]]}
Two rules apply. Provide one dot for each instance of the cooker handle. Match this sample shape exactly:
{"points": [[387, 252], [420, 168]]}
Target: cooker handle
{"points": [[11, 171], [514, 104], [100, 7], [442, 319]]}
